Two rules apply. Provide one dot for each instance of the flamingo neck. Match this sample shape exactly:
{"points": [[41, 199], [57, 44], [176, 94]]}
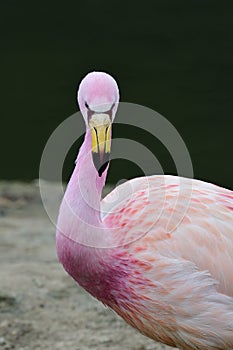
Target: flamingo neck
{"points": [[82, 237], [85, 179], [81, 212]]}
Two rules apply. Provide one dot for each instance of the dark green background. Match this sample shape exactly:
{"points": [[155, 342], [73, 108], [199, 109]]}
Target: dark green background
{"points": [[174, 56]]}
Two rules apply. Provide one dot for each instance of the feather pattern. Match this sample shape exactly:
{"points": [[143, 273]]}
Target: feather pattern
{"points": [[188, 266]]}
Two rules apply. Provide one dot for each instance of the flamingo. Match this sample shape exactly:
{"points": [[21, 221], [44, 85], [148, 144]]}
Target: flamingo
{"points": [[171, 281]]}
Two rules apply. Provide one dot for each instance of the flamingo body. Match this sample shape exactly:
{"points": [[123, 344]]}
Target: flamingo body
{"points": [[158, 250]]}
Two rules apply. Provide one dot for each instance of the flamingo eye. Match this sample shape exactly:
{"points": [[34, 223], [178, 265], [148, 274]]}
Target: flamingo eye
{"points": [[86, 105]]}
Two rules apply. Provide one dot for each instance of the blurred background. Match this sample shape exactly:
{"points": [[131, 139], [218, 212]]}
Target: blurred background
{"points": [[172, 56]]}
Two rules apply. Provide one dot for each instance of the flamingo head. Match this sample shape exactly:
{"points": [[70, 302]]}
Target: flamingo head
{"points": [[98, 98]]}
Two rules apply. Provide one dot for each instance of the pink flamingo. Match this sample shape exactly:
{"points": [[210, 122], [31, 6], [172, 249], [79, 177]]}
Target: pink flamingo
{"points": [[175, 285]]}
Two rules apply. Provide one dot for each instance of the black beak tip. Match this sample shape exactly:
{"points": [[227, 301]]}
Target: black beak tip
{"points": [[102, 168], [100, 165]]}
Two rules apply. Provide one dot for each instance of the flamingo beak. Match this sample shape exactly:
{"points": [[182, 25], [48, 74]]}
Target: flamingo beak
{"points": [[100, 126]]}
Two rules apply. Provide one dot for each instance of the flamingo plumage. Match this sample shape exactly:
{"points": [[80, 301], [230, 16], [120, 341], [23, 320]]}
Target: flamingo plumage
{"points": [[158, 250]]}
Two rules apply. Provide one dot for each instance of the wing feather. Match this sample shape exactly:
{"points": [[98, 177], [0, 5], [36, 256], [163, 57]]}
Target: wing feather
{"points": [[178, 218]]}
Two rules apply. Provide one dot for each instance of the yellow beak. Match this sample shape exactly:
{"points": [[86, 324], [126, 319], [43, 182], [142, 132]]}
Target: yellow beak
{"points": [[100, 126]]}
